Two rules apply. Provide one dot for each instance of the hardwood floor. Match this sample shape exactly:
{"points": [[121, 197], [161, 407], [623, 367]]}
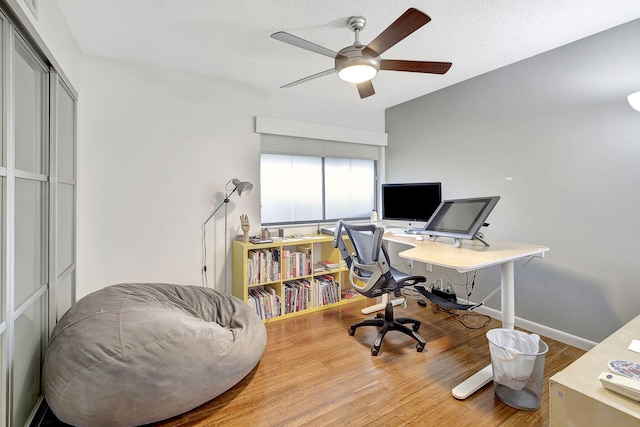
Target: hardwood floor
{"points": [[313, 373]]}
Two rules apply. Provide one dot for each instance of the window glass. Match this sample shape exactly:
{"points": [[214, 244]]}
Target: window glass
{"points": [[30, 237], [29, 100], [3, 290], [297, 189], [65, 227], [65, 293], [291, 188], [350, 188], [65, 128], [30, 328]]}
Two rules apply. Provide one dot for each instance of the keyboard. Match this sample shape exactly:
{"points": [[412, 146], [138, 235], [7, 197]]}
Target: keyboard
{"points": [[413, 231], [413, 236], [404, 231]]}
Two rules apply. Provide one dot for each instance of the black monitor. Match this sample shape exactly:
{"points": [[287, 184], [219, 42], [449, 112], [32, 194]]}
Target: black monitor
{"points": [[410, 201], [460, 218]]}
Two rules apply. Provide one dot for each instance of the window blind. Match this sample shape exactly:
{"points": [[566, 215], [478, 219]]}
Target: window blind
{"points": [[280, 144]]}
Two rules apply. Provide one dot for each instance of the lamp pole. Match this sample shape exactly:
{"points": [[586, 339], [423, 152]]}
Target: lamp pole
{"points": [[240, 187]]}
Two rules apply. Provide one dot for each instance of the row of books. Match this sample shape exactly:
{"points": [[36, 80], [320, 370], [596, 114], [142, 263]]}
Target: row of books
{"points": [[268, 265], [297, 295], [265, 302], [328, 290], [263, 266], [296, 263], [302, 294]]}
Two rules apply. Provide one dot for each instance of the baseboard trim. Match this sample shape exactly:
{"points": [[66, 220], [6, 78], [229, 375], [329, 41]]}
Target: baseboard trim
{"points": [[546, 331]]}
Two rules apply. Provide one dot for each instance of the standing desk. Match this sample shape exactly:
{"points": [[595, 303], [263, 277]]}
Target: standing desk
{"points": [[473, 255]]}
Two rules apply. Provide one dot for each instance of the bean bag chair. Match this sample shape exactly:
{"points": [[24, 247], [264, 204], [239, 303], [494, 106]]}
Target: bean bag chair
{"points": [[133, 354]]}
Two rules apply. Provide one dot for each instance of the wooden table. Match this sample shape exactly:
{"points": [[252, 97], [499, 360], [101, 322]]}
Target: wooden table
{"points": [[576, 396]]}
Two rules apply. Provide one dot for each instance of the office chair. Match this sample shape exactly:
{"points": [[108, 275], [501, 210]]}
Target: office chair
{"points": [[370, 274]]}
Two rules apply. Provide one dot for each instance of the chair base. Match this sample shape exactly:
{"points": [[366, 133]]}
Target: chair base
{"points": [[389, 323]]}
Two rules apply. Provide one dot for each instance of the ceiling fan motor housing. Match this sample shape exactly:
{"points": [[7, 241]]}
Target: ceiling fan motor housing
{"points": [[353, 55]]}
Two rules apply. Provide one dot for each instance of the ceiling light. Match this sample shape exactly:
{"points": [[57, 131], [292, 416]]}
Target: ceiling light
{"points": [[357, 73], [634, 100]]}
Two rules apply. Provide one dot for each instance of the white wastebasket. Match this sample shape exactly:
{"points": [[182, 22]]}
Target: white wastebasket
{"points": [[517, 359]]}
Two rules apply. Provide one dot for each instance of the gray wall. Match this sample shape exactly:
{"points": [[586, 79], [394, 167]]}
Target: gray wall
{"points": [[555, 137]]}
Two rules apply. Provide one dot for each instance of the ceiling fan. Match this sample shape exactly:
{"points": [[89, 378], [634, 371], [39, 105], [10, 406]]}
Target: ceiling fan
{"points": [[358, 63]]}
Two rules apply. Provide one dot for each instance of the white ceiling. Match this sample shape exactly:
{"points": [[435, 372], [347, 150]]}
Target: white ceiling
{"points": [[229, 39]]}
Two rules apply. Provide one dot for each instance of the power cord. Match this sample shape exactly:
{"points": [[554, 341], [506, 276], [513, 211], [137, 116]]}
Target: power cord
{"points": [[463, 316]]}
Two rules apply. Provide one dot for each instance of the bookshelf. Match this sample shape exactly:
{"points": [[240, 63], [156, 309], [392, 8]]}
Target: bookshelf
{"points": [[290, 276]]}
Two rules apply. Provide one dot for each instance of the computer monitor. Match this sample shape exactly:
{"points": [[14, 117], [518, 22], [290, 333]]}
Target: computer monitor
{"points": [[460, 218], [410, 201]]}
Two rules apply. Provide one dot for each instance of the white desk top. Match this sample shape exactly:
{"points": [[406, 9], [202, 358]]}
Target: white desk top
{"points": [[472, 255]]}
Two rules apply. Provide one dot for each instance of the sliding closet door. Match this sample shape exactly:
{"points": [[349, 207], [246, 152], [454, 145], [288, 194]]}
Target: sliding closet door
{"points": [[37, 217], [28, 231]]}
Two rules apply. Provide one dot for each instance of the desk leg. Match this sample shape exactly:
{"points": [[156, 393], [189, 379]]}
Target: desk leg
{"points": [[378, 307], [507, 306], [508, 297]]}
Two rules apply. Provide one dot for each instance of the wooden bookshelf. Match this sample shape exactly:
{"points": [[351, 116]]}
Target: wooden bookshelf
{"points": [[282, 279]]}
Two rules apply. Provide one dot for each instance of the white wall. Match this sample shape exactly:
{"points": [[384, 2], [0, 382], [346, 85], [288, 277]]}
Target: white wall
{"points": [[559, 126], [155, 150]]}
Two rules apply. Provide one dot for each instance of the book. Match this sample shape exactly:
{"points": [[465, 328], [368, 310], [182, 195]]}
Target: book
{"points": [[317, 268], [349, 293], [329, 265], [258, 240]]}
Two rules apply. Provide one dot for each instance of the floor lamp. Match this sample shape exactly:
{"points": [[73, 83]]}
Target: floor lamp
{"points": [[241, 187]]}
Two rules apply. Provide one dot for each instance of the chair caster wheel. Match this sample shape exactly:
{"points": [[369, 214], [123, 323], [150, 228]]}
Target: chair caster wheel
{"points": [[374, 352], [416, 326], [379, 316], [352, 331], [420, 348]]}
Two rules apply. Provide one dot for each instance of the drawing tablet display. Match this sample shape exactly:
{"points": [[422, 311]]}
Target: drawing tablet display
{"points": [[460, 218]]}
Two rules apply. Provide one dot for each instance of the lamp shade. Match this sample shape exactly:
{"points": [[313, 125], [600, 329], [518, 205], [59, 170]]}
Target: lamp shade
{"points": [[242, 187], [634, 100]]}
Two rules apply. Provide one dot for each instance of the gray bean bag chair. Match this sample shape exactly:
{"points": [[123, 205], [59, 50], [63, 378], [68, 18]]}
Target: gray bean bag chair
{"points": [[133, 354]]}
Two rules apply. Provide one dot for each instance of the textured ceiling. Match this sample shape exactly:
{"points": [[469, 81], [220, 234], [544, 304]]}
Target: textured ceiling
{"points": [[229, 39]]}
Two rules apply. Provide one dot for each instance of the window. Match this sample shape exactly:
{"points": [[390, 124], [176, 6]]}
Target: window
{"points": [[305, 189]]}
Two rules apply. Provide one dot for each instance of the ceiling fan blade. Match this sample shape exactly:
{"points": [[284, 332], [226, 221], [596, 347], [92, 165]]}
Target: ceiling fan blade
{"points": [[415, 66], [304, 44], [311, 77], [406, 24], [365, 88]]}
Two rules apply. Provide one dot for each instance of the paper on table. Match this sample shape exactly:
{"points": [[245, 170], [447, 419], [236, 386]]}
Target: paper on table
{"points": [[635, 346]]}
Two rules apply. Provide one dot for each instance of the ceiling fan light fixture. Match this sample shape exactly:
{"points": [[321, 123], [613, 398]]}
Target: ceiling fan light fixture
{"points": [[634, 100], [357, 73]]}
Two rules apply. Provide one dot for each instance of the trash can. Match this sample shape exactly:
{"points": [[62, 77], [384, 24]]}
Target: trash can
{"points": [[517, 359]]}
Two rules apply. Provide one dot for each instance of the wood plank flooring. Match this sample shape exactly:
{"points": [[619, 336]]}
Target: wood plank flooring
{"points": [[313, 373]]}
